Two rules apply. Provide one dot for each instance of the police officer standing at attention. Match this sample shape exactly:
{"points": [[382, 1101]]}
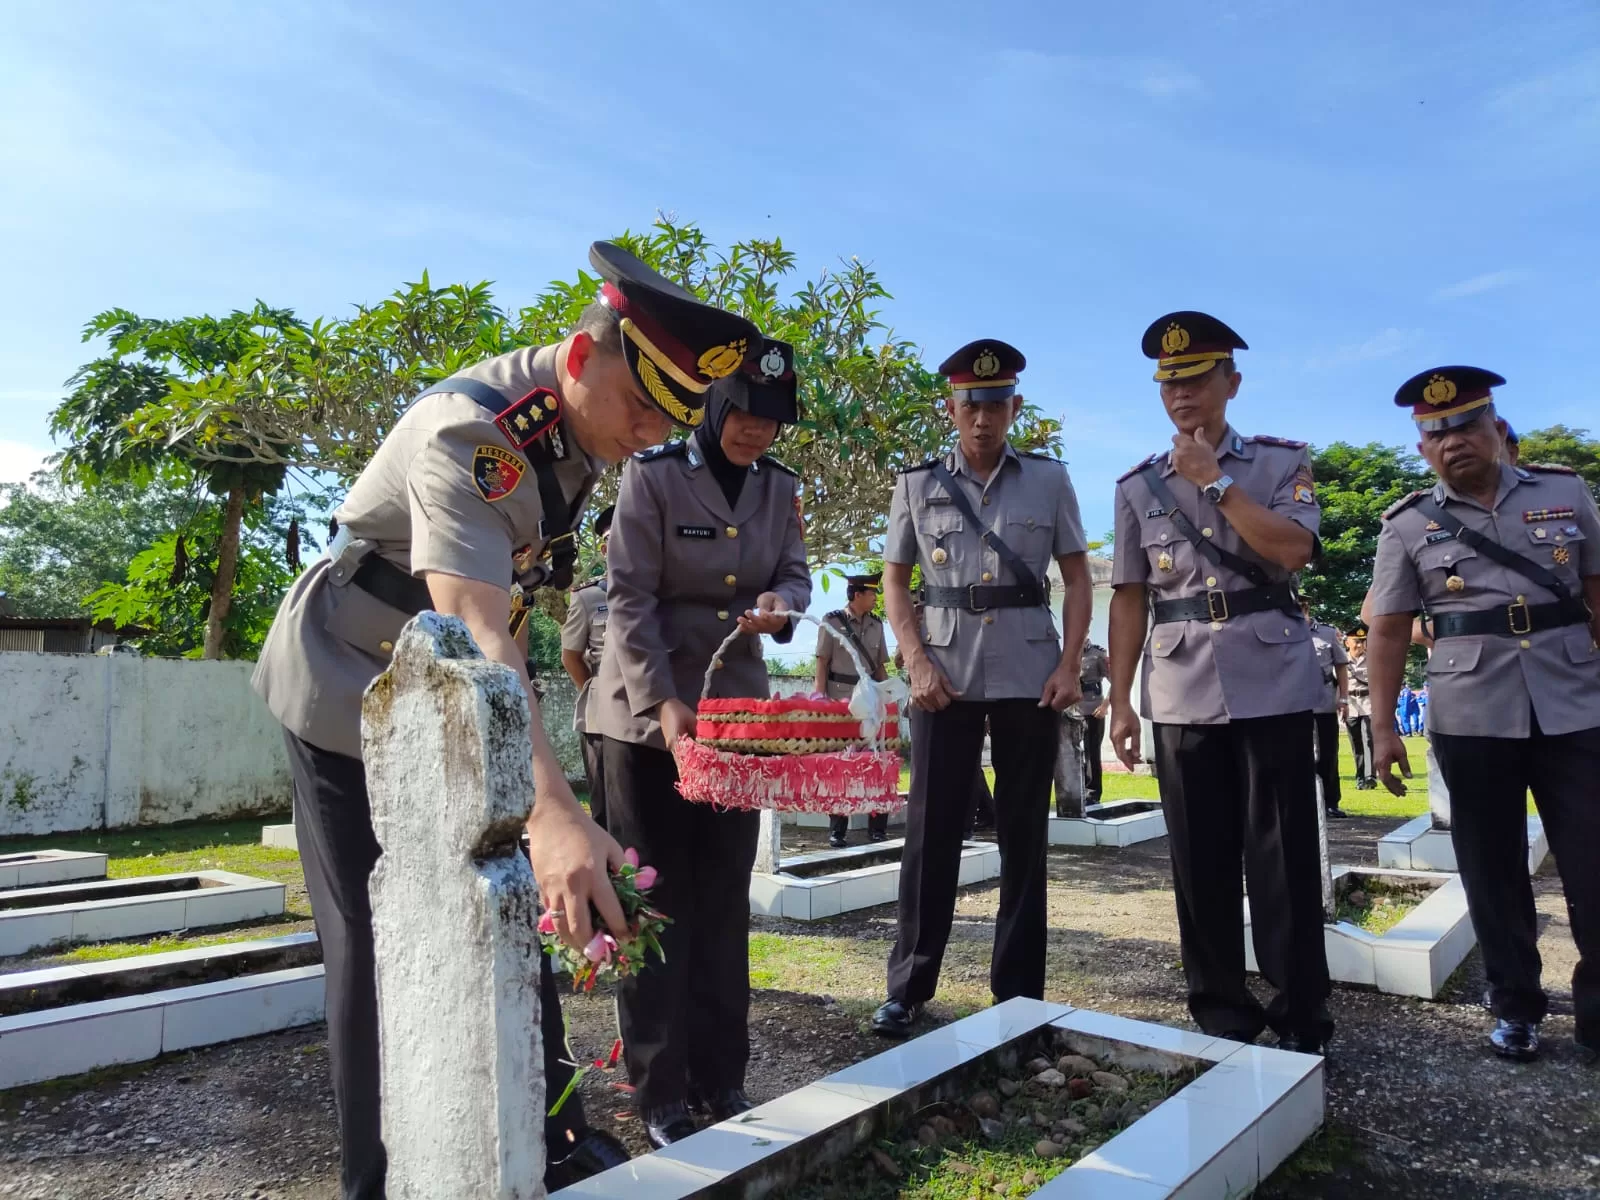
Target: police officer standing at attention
{"points": [[1506, 562], [583, 639], [983, 522], [446, 517], [1334, 663], [1208, 536], [1092, 708], [1358, 712], [706, 539], [836, 670]]}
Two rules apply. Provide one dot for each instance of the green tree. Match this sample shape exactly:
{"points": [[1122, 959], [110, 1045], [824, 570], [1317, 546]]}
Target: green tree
{"points": [[1566, 447], [1355, 484], [118, 428]]}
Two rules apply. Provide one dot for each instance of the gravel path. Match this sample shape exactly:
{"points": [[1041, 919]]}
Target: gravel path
{"points": [[1417, 1105]]}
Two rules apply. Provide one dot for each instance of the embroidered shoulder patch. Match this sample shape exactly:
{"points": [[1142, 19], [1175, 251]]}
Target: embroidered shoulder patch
{"points": [[533, 415], [1137, 467], [496, 472], [1404, 503], [1262, 439]]}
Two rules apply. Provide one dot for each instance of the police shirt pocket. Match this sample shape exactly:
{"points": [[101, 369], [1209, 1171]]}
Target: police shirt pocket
{"points": [[1164, 639], [1030, 537], [1446, 555], [1160, 537], [1581, 647], [1038, 625], [1281, 629], [941, 532], [1562, 544], [1454, 656], [364, 621], [940, 624]]}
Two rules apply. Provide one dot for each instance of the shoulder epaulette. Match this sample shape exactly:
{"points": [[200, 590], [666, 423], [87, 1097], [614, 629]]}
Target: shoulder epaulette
{"points": [[589, 583], [922, 466], [1551, 468], [1040, 454], [1265, 440], [666, 450], [1405, 502], [1137, 467], [768, 460], [838, 612]]}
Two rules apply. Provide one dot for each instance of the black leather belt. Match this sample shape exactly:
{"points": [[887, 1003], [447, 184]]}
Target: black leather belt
{"points": [[380, 578], [1512, 620], [979, 597], [835, 677], [1220, 606]]}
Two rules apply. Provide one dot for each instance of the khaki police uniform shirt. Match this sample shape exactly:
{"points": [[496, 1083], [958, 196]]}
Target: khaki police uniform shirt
{"points": [[584, 632], [1212, 672], [417, 505], [683, 567], [1490, 685], [1093, 679], [1029, 503], [1329, 645], [1360, 693], [869, 632]]}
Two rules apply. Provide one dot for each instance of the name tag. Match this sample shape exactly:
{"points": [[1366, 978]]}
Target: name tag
{"points": [[1154, 512], [1443, 535], [602, 610], [704, 532]]}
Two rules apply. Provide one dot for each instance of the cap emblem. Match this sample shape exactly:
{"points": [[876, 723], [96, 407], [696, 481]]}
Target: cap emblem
{"points": [[772, 363], [722, 360], [1439, 391], [986, 365], [1175, 340]]}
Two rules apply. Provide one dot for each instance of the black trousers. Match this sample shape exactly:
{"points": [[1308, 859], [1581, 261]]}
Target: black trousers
{"points": [[1246, 790], [1489, 779], [594, 770], [1327, 730], [684, 1021], [333, 826], [946, 747], [1360, 730], [877, 823], [1094, 731]]}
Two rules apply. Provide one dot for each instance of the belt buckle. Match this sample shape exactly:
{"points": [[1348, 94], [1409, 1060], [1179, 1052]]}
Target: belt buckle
{"points": [[972, 599], [1213, 599], [1527, 617]]}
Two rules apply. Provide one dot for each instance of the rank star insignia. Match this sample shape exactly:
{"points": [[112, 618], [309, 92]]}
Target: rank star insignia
{"points": [[530, 417], [496, 472], [1561, 556]]}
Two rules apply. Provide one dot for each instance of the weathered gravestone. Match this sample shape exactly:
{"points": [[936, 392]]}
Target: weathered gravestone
{"points": [[445, 739]]}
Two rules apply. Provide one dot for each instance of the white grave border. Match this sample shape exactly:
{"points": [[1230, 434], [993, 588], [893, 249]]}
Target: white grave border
{"points": [[1418, 846]]}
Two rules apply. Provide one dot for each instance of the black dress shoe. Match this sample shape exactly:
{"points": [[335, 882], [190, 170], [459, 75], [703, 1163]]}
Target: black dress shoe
{"points": [[894, 1019], [595, 1153], [667, 1124], [1516, 1040], [1304, 1043], [836, 840], [879, 835], [726, 1103], [1588, 1055], [1338, 814]]}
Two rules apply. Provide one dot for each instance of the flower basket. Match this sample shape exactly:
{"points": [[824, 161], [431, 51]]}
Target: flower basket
{"points": [[821, 764]]}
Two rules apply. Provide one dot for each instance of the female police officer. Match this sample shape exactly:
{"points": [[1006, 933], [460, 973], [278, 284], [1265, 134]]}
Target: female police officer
{"points": [[706, 536]]}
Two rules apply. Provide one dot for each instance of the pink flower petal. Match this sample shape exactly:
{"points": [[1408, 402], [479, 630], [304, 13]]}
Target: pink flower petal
{"points": [[631, 857], [547, 922], [646, 878], [597, 951]]}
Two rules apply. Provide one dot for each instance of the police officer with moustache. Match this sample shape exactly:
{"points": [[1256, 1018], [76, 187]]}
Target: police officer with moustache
{"points": [[1358, 712], [1506, 562], [836, 670], [469, 501], [706, 540], [1208, 536], [983, 523], [583, 639], [1334, 663]]}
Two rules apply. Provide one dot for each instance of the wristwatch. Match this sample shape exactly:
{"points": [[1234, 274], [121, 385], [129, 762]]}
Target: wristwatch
{"points": [[1214, 492]]}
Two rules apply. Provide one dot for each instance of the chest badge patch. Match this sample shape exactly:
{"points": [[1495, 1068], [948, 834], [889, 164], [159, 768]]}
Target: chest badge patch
{"points": [[496, 472], [1455, 583], [1540, 534], [940, 556], [1164, 561], [1432, 525], [1561, 556]]}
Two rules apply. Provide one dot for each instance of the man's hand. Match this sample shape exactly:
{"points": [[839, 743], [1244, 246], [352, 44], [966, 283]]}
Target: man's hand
{"points": [[1125, 734], [1388, 751], [1195, 459], [571, 857], [1100, 712], [764, 618], [677, 719], [1063, 689], [930, 687]]}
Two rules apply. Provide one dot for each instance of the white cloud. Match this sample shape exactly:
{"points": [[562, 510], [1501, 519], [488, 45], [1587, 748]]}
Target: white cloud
{"points": [[18, 461], [1479, 284], [1386, 344]]}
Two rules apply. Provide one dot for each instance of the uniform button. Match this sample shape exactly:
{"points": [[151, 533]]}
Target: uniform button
{"points": [[1285, 633], [1522, 599], [990, 621], [732, 531], [1163, 537], [1158, 645], [718, 664], [1030, 522], [1216, 624], [1205, 532], [1447, 559], [722, 614], [386, 646], [1452, 662], [986, 499], [987, 576], [1211, 581], [730, 580], [1526, 644]]}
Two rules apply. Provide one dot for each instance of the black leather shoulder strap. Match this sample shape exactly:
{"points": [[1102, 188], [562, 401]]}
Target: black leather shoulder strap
{"points": [[845, 630], [1208, 549], [1012, 560], [1490, 548]]}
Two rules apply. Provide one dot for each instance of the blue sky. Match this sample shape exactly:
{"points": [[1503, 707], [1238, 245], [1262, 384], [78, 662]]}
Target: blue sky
{"points": [[1362, 189]]}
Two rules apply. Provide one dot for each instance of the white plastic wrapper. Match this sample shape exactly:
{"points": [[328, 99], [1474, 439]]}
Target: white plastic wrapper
{"points": [[870, 706]]}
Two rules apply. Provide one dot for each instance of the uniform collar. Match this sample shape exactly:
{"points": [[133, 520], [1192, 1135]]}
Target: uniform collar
{"points": [[1233, 445], [1510, 477], [957, 464]]}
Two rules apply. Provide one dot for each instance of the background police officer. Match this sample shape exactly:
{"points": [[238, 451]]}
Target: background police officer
{"points": [[1506, 562], [1207, 538], [475, 489], [983, 523], [583, 640], [1358, 711], [1333, 661], [836, 674]]}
